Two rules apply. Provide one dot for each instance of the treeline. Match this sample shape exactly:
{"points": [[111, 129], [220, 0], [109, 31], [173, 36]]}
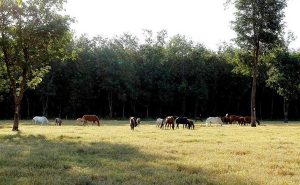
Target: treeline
{"points": [[160, 76]]}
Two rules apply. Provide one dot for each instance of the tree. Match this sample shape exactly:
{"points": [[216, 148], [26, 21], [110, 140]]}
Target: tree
{"points": [[179, 51], [259, 26], [32, 34], [284, 77]]}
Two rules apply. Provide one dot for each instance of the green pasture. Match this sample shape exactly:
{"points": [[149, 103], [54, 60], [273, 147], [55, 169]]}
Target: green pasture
{"points": [[113, 154]]}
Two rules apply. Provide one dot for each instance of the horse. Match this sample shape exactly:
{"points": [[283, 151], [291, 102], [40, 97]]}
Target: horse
{"points": [[58, 121], [211, 120], [192, 125], [248, 120], [170, 122], [234, 118], [93, 118], [225, 119], [40, 119], [134, 122], [160, 122], [242, 120], [183, 120]]}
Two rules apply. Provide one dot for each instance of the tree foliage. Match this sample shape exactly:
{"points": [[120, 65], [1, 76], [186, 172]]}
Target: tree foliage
{"points": [[33, 34]]}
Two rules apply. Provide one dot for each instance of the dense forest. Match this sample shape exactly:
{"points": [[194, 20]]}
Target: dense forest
{"points": [[158, 76], [46, 70]]}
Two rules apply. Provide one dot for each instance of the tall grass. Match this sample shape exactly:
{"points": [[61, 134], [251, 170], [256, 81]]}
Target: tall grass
{"points": [[113, 154]]}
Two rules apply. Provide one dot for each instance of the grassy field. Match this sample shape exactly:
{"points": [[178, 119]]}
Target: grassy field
{"points": [[113, 154]]}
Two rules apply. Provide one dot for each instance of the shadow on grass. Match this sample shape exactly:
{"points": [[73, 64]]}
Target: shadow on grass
{"points": [[34, 159]]}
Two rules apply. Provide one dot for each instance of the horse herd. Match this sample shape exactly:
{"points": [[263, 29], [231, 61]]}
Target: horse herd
{"points": [[58, 121], [168, 122]]}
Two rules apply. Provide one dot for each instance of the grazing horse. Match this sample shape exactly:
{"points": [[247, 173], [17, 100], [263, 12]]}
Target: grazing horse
{"points": [[192, 125], [211, 120], [248, 120], [242, 120], [170, 121], [134, 122], [92, 118], [58, 121], [183, 120], [225, 119], [160, 122], [234, 118], [40, 119]]}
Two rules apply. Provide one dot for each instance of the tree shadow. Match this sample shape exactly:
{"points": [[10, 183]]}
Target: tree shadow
{"points": [[34, 159]]}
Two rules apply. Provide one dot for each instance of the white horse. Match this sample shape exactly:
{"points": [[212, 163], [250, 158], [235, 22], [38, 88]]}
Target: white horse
{"points": [[40, 119], [215, 120], [160, 122]]}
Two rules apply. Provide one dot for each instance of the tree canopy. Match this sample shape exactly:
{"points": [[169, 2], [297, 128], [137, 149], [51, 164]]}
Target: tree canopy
{"points": [[33, 33]]}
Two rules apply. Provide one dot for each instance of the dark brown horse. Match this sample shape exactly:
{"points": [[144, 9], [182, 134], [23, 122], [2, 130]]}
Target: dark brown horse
{"points": [[226, 119], [191, 125], [248, 120], [234, 119], [241, 120], [170, 121]]}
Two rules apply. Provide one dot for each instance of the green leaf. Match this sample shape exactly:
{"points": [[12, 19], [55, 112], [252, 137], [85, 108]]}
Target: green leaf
{"points": [[19, 3]]}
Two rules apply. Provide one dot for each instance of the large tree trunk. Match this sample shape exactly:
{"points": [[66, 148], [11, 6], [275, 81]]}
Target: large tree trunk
{"points": [[16, 117], [28, 107], [253, 108], [286, 110], [45, 107], [254, 77]]}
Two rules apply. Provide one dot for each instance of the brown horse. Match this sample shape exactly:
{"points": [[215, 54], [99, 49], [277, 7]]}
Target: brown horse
{"points": [[242, 120], [225, 119], [170, 121], [248, 120], [92, 118], [234, 119]]}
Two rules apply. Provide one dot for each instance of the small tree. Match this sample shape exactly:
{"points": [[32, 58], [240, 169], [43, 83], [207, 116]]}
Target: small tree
{"points": [[32, 34], [259, 26]]}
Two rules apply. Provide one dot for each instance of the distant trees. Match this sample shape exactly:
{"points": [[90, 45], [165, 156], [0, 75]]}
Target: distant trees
{"points": [[32, 34], [284, 76], [122, 76]]}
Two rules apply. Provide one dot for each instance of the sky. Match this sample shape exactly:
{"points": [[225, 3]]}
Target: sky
{"points": [[203, 21]]}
